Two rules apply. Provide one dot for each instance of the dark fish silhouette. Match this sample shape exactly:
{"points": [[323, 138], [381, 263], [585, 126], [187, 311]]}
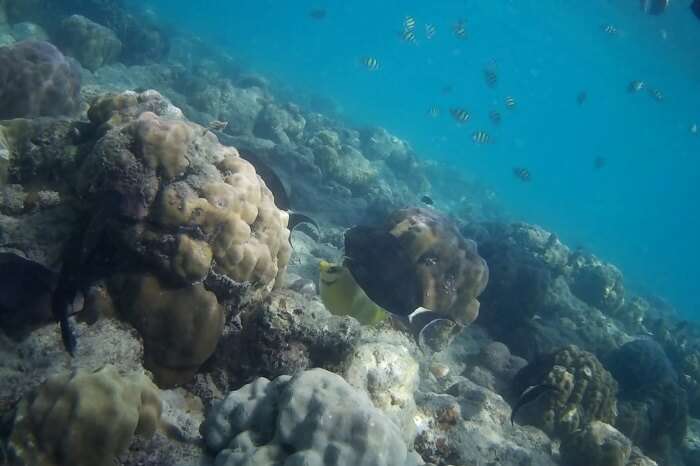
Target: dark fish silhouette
{"points": [[318, 14], [380, 266], [523, 174], [490, 76], [460, 115], [530, 395], [426, 200], [581, 97], [653, 7], [695, 8], [279, 191], [598, 163]]}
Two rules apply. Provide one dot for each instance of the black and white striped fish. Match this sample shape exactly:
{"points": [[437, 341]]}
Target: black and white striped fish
{"points": [[434, 111], [656, 94], [495, 117], [370, 63], [635, 86], [430, 31], [609, 29], [409, 23], [460, 29], [510, 103], [460, 114], [490, 76], [481, 137]]}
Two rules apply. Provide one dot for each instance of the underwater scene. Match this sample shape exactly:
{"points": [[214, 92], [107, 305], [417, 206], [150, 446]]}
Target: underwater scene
{"points": [[314, 232]]}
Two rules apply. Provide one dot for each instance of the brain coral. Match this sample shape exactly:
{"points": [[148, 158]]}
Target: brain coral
{"points": [[585, 391], [450, 270], [314, 418], [37, 80], [84, 418], [187, 210]]}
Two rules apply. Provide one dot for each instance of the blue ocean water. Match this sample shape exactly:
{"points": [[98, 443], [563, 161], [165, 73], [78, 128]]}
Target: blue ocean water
{"points": [[640, 211]]}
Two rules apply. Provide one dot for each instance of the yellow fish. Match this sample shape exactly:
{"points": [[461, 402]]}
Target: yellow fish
{"points": [[342, 296]]}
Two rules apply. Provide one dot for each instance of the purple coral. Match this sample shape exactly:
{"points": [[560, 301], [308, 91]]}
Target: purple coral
{"points": [[37, 80]]}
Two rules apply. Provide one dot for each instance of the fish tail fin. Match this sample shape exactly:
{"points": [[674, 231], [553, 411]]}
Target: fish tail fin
{"points": [[434, 332], [297, 218]]}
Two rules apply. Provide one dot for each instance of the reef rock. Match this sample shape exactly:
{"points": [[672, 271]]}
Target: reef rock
{"points": [[92, 44], [468, 425], [283, 335], [653, 408], [597, 283], [389, 374], [37, 80], [28, 31], [597, 444], [280, 124], [314, 418]]}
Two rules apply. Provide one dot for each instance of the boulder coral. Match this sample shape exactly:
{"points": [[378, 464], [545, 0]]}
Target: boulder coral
{"points": [[597, 283], [84, 418], [92, 44], [597, 444], [37, 80], [314, 418], [343, 162], [192, 211], [584, 392]]}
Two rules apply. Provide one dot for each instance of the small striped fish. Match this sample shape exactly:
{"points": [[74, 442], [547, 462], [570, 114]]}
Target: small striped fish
{"points": [[460, 30], [409, 23], [510, 103], [495, 117], [656, 94], [370, 63], [481, 137], [430, 31], [635, 86], [434, 112], [490, 76], [460, 115], [523, 174]]}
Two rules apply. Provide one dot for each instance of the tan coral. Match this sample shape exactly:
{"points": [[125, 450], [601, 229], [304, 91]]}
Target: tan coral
{"points": [[197, 210], [84, 418], [180, 326]]}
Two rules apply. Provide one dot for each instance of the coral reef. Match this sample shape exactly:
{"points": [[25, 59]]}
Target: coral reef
{"points": [[200, 211], [180, 326], [313, 418], [92, 44], [70, 415], [598, 443], [340, 161], [36, 80], [389, 374], [653, 408], [585, 392], [597, 283]]}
